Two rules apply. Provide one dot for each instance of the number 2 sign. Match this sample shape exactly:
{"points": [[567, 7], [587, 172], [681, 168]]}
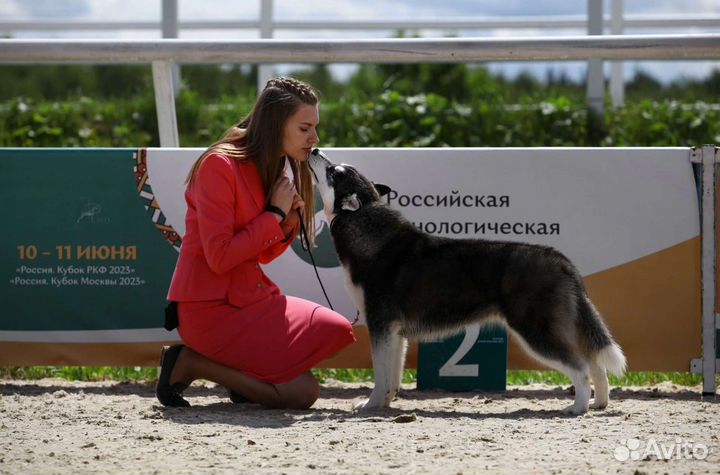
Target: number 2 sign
{"points": [[476, 360]]}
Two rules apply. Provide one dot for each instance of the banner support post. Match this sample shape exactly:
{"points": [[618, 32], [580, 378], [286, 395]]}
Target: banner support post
{"points": [[165, 103], [709, 276]]}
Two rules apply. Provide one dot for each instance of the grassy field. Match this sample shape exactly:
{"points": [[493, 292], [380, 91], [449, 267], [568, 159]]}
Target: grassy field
{"points": [[99, 373]]}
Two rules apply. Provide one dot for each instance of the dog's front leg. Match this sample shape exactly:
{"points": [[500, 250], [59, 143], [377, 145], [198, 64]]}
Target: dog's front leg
{"points": [[383, 355]]}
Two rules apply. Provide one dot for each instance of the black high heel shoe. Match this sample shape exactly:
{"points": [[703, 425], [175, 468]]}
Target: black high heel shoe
{"points": [[237, 398], [170, 394]]}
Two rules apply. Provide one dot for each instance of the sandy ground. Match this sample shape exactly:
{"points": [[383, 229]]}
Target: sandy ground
{"points": [[54, 426]]}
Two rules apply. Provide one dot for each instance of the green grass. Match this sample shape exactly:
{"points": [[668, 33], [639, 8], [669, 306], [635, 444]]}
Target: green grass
{"points": [[79, 373], [514, 377], [634, 378]]}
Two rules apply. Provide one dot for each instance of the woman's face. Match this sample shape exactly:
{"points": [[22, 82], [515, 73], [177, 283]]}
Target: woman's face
{"points": [[300, 134]]}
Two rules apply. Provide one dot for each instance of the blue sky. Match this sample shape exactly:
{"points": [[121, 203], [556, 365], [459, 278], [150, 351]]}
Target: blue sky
{"points": [[129, 10]]}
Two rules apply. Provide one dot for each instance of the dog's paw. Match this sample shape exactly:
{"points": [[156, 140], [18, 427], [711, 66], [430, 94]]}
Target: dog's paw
{"points": [[361, 406], [599, 404], [574, 410], [367, 405]]}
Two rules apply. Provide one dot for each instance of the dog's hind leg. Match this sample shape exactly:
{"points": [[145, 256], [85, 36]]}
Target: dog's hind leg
{"points": [[399, 349], [572, 366], [385, 352], [602, 389], [580, 380], [578, 374]]}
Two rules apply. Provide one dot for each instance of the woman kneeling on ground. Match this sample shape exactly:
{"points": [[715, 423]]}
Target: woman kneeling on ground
{"points": [[237, 328]]}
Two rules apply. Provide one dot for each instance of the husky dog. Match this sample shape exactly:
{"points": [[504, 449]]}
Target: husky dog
{"points": [[409, 284]]}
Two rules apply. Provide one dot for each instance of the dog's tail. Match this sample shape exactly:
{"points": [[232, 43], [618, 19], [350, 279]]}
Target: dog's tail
{"points": [[612, 359], [605, 352]]}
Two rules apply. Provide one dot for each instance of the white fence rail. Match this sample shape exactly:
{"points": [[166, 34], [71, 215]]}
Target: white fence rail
{"points": [[566, 22], [398, 50], [162, 54], [616, 23]]}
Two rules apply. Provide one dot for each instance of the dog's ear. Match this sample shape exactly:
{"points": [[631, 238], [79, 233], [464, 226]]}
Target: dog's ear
{"points": [[351, 203], [382, 189]]}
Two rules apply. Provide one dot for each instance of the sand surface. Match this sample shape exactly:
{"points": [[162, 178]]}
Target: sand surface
{"points": [[54, 426]]}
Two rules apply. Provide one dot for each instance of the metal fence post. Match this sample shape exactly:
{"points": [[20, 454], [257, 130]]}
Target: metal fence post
{"points": [[170, 29], [617, 82], [595, 80], [266, 31]]}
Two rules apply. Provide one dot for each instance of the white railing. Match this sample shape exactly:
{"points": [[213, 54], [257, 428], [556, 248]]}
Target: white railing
{"points": [[162, 54], [396, 50], [266, 25], [562, 22]]}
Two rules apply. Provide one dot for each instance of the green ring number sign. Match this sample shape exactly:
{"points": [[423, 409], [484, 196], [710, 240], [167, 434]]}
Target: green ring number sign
{"points": [[475, 360]]}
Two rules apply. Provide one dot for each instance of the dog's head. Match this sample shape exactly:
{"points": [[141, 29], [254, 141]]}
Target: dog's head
{"points": [[342, 187]]}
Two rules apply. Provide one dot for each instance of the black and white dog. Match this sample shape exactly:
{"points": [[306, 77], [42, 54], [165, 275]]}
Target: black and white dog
{"points": [[409, 284]]}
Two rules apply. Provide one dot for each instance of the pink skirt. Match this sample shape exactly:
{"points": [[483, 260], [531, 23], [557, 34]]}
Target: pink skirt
{"points": [[274, 340]]}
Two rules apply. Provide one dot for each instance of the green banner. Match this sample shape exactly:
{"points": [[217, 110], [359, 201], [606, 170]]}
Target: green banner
{"points": [[80, 247]]}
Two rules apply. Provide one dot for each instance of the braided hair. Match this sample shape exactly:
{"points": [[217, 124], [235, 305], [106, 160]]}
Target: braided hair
{"points": [[299, 89]]}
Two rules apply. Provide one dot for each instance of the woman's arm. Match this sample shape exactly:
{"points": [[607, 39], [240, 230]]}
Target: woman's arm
{"points": [[269, 255], [215, 201]]}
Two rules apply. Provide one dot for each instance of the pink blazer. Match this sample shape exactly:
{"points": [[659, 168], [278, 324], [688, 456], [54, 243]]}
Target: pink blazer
{"points": [[228, 234]]}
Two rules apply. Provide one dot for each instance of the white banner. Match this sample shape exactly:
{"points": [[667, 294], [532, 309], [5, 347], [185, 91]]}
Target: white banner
{"points": [[601, 207]]}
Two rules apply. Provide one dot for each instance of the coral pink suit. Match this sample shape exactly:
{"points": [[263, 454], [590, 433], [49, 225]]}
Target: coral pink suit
{"points": [[229, 310]]}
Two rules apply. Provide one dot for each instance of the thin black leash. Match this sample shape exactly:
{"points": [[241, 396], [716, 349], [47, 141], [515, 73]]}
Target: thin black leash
{"points": [[306, 247]]}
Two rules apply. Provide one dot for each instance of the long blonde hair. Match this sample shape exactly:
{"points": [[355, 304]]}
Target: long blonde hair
{"points": [[258, 138]]}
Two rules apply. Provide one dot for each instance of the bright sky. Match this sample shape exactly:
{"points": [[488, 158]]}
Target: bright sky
{"points": [[137, 10]]}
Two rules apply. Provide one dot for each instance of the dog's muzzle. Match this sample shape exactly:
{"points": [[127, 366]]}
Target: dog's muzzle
{"points": [[316, 154], [318, 162]]}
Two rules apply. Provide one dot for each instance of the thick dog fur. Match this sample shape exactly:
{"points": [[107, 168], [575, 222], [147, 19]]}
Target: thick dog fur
{"points": [[409, 284]]}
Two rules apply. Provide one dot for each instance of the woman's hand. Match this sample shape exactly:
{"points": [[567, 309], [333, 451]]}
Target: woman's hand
{"points": [[283, 194]]}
